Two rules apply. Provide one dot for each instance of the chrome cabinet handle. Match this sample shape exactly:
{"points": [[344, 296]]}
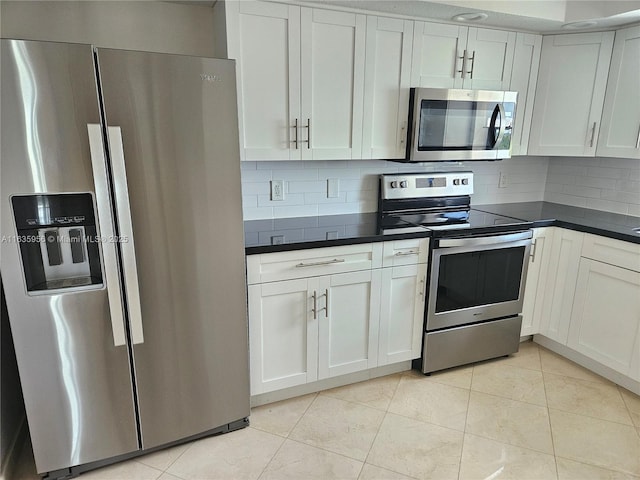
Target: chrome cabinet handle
{"points": [[127, 248], [464, 61], [105, 222], [315, 305], [533, 250], [316, 264], [326, 303], [403, 135], [593, 133], [308, 140], [295, 137], [638, 140], [422, 288], [407, 253], [473, 62]]}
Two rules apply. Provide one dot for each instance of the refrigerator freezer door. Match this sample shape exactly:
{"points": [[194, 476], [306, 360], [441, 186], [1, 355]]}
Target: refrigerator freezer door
{"points": [[178, 120], [76, 382]]}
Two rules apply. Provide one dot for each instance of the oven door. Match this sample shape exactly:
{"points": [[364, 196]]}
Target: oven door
{"points": [[474, 279]]}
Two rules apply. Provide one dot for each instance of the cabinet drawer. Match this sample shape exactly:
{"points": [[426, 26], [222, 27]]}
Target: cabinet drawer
{"points": [[611, 251], [271, 267], [405, 252]]}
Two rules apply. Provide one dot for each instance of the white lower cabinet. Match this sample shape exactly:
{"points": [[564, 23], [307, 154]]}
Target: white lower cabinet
{"points": [[560, 286], [401, 313], [306, 329], [537, 274], [605, 320], [348, 314], [283, 335]]}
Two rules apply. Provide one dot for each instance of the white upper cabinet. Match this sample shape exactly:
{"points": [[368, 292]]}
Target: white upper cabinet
{"points": [[267, 48], [570, 94], [301, 80], [620, 130], [438, 55], [489, 59], [524, 76], [386, 88], [332, 50], [450, 56]]}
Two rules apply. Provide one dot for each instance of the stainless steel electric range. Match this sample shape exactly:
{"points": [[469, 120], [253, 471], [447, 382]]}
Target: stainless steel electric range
{"points": [[477, 266]]}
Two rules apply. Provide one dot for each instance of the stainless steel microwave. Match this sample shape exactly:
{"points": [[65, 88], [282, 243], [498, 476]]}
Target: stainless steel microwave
{"points": [[452, 125]]}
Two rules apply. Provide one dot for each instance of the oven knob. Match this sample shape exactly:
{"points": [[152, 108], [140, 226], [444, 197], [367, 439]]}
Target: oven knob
{"points": [[456, 181], [403, 184], [394, 184], [465, 181]]}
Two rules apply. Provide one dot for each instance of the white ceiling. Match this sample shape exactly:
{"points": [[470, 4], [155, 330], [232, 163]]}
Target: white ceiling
{"points": [[543, 16]]}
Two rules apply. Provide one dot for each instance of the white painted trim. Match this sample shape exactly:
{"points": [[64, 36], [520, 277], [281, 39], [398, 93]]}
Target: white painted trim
{"points": [[588, 363], [327, 383]]}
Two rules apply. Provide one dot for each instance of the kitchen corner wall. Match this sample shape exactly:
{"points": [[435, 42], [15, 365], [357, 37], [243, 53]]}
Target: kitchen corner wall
{"points": [[305, 184], [609, 184]]}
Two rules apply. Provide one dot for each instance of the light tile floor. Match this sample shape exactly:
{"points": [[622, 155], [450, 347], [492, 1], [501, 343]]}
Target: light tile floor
{"points": [[534, 415]]}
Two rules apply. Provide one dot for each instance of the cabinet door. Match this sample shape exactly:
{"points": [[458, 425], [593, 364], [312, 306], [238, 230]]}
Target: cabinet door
{"points": [[570, 94], [489, 59], [605, 322], [402, 298], [537, 275], [561, 284], [524, 77], [386, 89], [348, 326], [620, 132], [332, 48], [283, 335], [438, 53], [267, 47]]}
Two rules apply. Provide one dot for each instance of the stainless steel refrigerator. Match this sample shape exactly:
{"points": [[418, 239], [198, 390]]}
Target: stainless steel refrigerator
{"points": [[122, 248]]}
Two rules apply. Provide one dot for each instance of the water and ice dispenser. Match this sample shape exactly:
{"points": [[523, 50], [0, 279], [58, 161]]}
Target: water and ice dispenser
{"points": [[58, 242]]}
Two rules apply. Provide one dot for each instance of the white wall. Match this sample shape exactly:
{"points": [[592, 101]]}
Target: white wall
{"points": [[132, 25], [306, 184], [609, 184]]}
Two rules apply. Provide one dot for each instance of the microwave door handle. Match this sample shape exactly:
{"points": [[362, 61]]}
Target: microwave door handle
{"points": [[503, 124]]}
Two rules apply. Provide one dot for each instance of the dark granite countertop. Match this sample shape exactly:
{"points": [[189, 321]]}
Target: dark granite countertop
{"points": [[543, 214], [283, 234]]}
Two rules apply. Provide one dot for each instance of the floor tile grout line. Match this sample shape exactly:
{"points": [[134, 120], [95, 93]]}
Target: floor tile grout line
{"points": [[607, 468], [620, 388], [546, 399], [466, 418], [287, 437]]}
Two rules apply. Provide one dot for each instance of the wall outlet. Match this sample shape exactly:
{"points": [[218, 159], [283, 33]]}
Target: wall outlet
{"points": [[277, 190], [333, 187], [503, 181]]}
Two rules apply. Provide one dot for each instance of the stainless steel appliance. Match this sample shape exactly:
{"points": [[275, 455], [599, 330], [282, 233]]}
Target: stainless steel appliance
{"points": [[452, 125], [122, 249], [477, 266]]}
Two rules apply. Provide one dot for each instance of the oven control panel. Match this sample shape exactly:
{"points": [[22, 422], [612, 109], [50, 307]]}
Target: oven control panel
{"points": [[424, 185]]}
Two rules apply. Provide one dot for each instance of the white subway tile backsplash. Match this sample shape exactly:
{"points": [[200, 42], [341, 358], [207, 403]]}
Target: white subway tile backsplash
{"points": [[307, 187], [295, 211], [607, 205], [602, 183], [289, 199]]}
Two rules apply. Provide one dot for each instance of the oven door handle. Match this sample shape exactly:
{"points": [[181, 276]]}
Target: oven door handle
{"points": [[479, 241]]}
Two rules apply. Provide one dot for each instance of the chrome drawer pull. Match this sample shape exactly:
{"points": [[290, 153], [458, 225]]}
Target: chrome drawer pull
{"points": [[316, 264], [408, 252]]}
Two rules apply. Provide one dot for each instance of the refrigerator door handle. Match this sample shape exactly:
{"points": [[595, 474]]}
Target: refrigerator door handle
{"points": [[107, 231], [127, 245]]}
